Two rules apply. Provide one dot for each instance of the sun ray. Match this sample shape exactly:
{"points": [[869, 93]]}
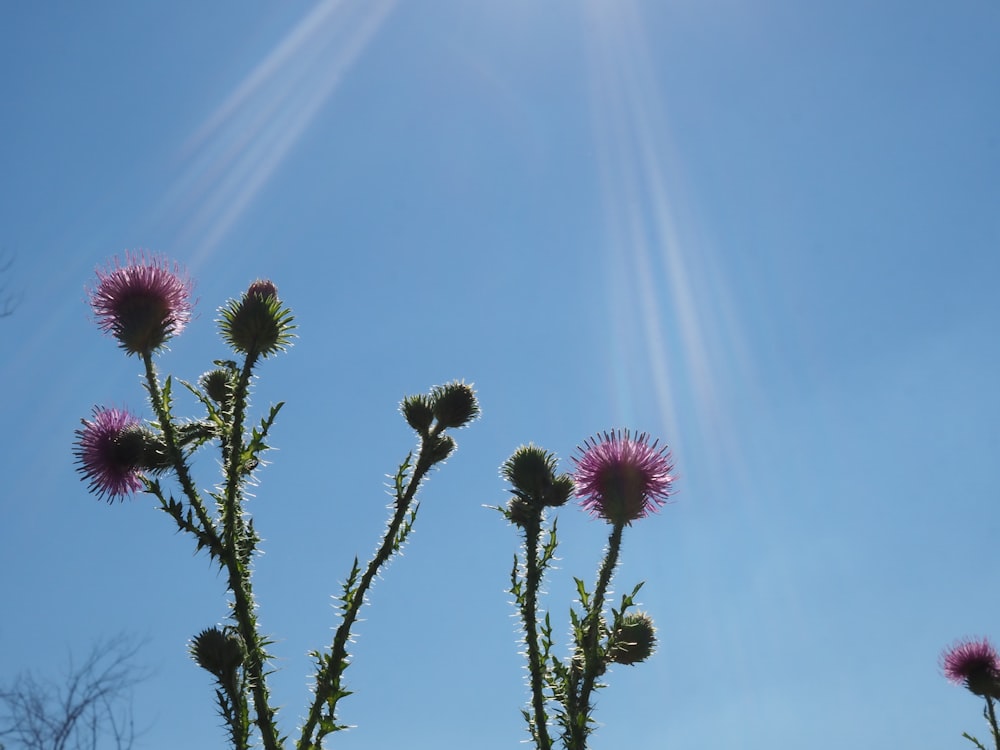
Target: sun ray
{"points": [[237, 149], [670, 300]]}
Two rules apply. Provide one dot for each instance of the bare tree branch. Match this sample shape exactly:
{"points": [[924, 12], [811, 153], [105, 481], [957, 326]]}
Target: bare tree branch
{"points": [[92, 703], [7, 301]]}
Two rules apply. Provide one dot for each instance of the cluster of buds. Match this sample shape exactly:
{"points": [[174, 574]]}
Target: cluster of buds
{"points": [[447, 406], [535, 485]]}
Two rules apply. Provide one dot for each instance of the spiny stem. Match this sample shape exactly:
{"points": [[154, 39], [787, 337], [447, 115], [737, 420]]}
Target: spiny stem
{"points": [[175, 453], [328, 678], [238, 581], [235, 541], [529, 615], [591, 667], [991, 715]]}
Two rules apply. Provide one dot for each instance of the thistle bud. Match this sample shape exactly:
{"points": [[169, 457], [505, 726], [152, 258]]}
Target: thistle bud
{"points": [[220, 651], [454, 405], [215, 384], [138, 446], [441, 447], [418, 413], [634, 641], [530, 470], [262, 288], [559, 492], [521, 513], [257, 324]]}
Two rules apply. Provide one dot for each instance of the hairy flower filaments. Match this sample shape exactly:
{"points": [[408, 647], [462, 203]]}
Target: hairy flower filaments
{"points": [[621, 478], [974, 664], [110, 452], [143, 302]]}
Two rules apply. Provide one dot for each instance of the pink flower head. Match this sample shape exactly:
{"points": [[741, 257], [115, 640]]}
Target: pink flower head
{"points": [[109, 452], [621, 478], [143, 302], [974, 664]]}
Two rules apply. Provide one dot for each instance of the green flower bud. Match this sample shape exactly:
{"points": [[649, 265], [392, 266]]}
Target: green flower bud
{"points": [[560, 491], [454, 405], [441, 447], [215, 384], [140, 447], [521, 513], [418, 413], [257, 324], [634, 641], [220, 651], [530, 470]]}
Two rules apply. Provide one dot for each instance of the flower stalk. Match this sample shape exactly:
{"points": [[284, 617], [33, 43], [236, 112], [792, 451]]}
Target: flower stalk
{"points": [[143, 303], [620, 479], [435, 447]]}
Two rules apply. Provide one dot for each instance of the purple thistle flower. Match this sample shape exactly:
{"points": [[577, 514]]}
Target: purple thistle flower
{"points": [[621, 478], [109, 453], [974, 664], [143, 302]]}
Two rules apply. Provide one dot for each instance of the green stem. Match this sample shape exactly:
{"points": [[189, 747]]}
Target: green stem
{"points": [[232, 454], [593, 664], [227, 548], [328, 679], [992, 717], [238, 549], [176, 455], [529, 615]]}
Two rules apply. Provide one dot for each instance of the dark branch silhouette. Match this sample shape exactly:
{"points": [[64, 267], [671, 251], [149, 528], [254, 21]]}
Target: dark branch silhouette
{"points": [[8, 301], [90, 708]]}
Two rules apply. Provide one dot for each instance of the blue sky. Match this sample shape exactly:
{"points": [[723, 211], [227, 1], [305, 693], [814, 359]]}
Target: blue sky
{"points": [[766, 233]]}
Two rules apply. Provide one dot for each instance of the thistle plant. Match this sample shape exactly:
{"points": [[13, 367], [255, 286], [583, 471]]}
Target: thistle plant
{"points": [[144, 301], [975, 665], [619, 478]]}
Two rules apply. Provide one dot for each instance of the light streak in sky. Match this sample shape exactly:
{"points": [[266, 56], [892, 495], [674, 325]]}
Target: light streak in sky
{"points": [[240, 145], [668, 299]]}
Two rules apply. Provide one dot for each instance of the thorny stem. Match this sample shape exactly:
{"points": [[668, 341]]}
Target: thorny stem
{"points": [[579, 703], [328, 679], [238, 574], [992, 718], [237, 562], [232, 458], [529, 616], [173, 448]]}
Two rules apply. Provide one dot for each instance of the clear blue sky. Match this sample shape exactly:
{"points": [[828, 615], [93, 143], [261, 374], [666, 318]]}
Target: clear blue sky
{"points": [[765, 232]]}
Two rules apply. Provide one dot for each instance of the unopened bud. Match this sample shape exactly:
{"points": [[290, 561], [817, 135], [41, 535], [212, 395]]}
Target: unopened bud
{"points": [[454, 405], [215, 383], [521, 513], [219, 651], [559, 492], [635, 639], [530, 470], [418, 413], [257, 323], [441, 447]]}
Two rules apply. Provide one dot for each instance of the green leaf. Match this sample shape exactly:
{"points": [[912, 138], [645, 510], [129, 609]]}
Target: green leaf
{"points": [[974, 741]]}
